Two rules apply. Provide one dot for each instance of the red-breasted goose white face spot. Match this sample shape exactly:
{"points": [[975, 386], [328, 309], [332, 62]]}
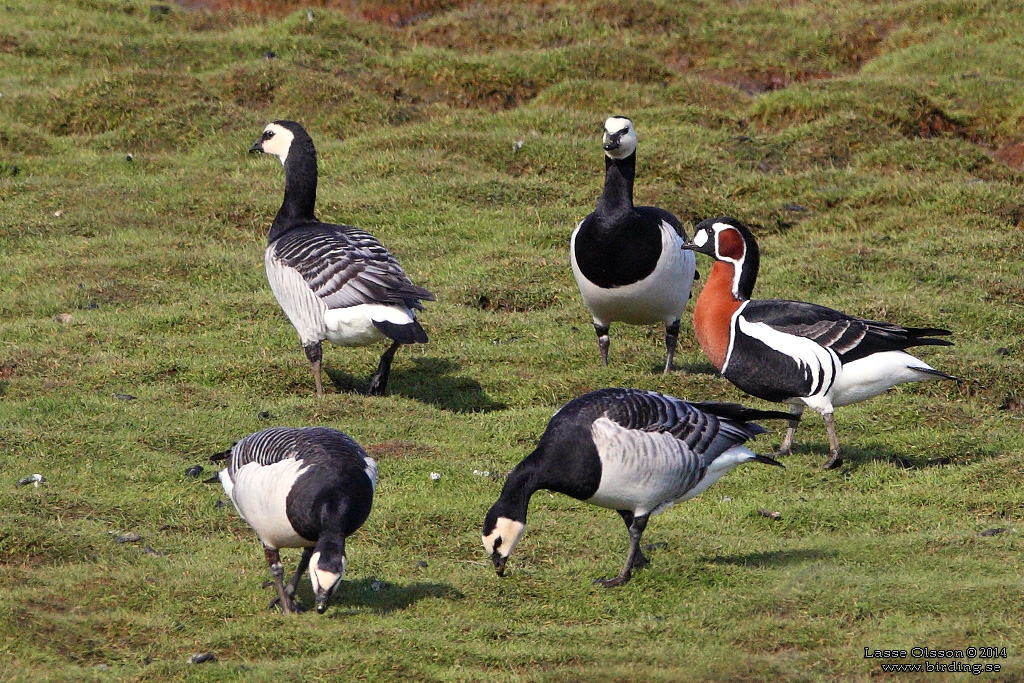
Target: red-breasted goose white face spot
{"points": [[276, 140], [619, 137], [700, 238]]}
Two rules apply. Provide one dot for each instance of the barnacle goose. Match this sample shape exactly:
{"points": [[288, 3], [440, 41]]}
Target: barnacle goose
{"points": [[627, 260], [306, 488], [334, 282], [795, 352], [636, 452]]}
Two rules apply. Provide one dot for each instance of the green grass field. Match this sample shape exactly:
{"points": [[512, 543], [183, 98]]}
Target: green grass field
{"points": [[876, 151]]}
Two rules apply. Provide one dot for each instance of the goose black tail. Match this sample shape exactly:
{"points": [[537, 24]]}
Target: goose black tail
{"points": [[409, 333], [741, 413]]}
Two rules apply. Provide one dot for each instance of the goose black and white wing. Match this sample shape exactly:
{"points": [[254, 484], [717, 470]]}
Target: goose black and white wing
{"points": [[347, 266], [706, 429], [848, 336]]}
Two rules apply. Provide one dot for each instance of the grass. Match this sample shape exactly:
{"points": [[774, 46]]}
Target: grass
{"points": [[876, 151]]}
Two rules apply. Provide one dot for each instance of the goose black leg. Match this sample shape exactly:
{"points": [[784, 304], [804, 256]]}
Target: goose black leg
{"points": [[277, 571], [671, 339], [636, 530], [640, 561], [602, 341], [379, 381], [835, 458], [795, 411], [307, 554], [315, 352]]}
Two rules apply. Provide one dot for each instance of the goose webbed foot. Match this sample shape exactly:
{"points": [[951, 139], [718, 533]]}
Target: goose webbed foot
{"points": [[640, 561], [292, 606], [614, 581], [835, 461]]}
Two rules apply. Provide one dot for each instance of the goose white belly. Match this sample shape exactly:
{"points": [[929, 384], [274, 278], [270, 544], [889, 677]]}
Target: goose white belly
{"points": [[643, 472], [260, 495], [660, 297]]}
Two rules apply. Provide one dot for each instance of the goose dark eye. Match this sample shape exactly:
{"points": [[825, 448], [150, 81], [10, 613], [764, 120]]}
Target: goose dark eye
{"points": [[268, 134], [623, 131]]}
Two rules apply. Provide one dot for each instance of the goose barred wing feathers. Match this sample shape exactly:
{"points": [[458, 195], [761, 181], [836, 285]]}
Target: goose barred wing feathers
{"points": [[346, 266], [848, 336], [276, 444], [709, 428]]}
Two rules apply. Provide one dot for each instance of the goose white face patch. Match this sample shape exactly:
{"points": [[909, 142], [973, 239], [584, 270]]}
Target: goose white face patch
{"points": [[279, 143], [321, 578], [505, 537], [623, 128], [701, 238]]}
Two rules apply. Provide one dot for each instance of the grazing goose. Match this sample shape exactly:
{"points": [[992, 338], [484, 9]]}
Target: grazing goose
{"points": [[334, 282], [636, 452], [627, 260], [306, 488], [795, 352]]}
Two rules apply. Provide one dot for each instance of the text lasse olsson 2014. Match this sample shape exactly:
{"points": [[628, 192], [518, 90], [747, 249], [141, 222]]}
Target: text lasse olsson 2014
{"points": [[929, 653]]}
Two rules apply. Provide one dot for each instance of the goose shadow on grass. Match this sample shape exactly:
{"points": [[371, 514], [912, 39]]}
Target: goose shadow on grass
{"points": [[854, 458], [698, 368], [352, 597], [431, 380], [773, 558]]}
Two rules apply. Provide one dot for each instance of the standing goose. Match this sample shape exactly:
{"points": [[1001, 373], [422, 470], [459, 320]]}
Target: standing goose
{"points": [[795, 352], [334, 282], [306, 488], [636, 452], [627, 260]]}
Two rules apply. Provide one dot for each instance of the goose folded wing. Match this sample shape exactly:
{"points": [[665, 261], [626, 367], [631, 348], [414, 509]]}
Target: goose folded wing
{"points": [[700, 430], [346, 266], [265, 448], [848, 336]]}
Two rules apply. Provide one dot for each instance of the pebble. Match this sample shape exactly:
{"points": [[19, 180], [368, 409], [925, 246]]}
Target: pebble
{"points": [[201, 657], [764, 512], [435, 476], [128, 538], [194, 471]]}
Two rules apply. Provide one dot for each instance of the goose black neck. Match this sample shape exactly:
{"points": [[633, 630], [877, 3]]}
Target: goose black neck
{"points": [[748, 269], [300, 176], [331, 543], [618, 184], [515, 496]]}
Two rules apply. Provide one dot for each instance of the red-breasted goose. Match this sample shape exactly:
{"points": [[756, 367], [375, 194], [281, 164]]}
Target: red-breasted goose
{"points": [[795, 352]]}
